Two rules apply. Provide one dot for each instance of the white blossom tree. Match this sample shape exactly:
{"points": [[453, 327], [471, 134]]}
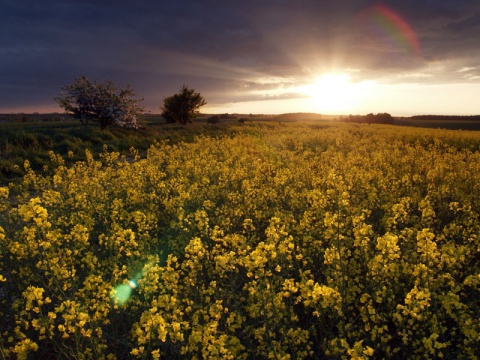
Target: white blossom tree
{"points": [[100, 103]]}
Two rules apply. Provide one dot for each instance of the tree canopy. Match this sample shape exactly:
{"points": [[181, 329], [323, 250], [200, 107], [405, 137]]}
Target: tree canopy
{"points": [[182, 106], [380, 118], [100, 102]]}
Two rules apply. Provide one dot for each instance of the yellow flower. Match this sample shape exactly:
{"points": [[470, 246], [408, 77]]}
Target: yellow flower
{"points": [[368, 351], [156, 354]]}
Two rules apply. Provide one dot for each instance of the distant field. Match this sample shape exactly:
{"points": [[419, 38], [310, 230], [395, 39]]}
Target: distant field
{"points": [[33, 136], [441, 124]]}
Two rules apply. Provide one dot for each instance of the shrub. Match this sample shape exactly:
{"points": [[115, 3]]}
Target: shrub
{"points": [[215, 119], [183, 106]]}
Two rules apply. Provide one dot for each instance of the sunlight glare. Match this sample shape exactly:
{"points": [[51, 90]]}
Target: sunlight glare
{"points": [[334, 93]]}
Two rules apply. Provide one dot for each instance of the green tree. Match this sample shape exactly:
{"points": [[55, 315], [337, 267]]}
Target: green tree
{"points": [[101, 103], [182, 106]]}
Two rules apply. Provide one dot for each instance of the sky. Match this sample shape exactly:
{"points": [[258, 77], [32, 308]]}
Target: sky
{"points": [[404, 57]]}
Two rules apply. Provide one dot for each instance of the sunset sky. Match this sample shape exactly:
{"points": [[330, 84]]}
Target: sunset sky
{"points": [[404, 57]]}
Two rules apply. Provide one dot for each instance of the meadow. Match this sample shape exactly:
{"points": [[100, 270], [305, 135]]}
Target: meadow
{"points": [[267, 240], [34, 138]]}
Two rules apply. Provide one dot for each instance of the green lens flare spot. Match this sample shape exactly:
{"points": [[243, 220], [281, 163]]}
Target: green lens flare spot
{"points": [[122, 293]]}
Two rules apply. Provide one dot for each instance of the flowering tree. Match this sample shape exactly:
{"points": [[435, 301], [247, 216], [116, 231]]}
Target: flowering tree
{"points": [[182, 106], [100, 103]]}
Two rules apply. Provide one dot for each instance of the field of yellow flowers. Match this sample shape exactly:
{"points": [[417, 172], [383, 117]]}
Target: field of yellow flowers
{"points": [[284, 241]]}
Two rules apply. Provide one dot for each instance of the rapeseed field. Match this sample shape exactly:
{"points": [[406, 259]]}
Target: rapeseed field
{"points": [[281, 241]]}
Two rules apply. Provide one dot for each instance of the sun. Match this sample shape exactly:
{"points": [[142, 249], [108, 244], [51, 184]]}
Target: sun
{"points": [[335, 93]]}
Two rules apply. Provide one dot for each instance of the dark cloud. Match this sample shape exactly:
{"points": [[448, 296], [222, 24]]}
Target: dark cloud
{"points": [[222, 48]]}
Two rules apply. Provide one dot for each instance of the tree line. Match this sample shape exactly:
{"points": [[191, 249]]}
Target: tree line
{"points": [[107, 105], [380, 118]]}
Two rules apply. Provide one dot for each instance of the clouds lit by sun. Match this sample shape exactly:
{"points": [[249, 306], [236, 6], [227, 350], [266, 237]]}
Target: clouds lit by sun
{"points": [[333, 93]]}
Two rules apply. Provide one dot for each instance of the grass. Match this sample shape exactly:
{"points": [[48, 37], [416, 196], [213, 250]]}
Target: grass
{"points": [[34, 140]]}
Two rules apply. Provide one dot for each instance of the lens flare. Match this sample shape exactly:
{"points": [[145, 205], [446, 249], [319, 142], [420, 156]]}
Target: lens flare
{"points": [[121, 293], [383, 24]]}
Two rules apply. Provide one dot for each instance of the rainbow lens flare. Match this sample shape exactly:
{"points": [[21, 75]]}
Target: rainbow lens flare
{"points": [[384, 25]]}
